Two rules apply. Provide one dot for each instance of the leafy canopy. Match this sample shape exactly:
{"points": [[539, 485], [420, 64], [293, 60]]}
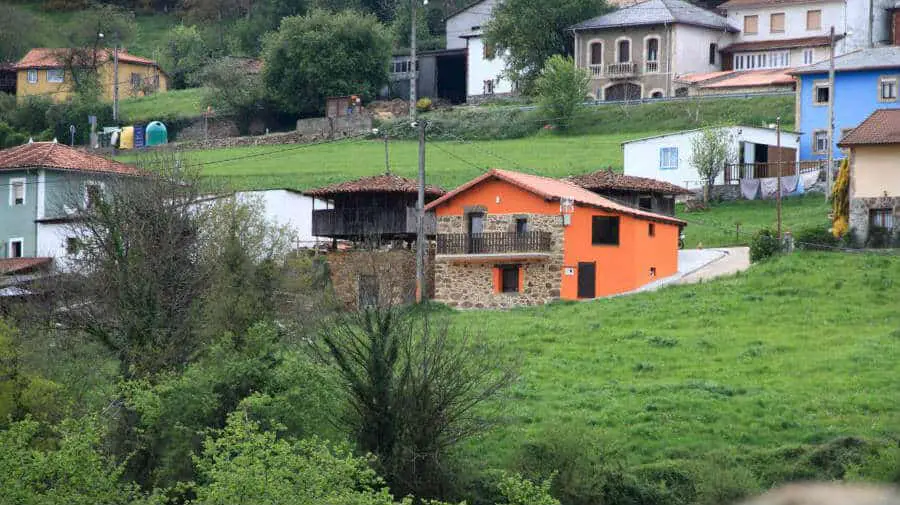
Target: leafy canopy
{"points": [[562, 87]]}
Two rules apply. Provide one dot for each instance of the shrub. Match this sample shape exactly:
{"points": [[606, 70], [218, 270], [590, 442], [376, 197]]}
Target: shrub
{"points": [[423, 104], [764, 244], [562, 87], [815, 238], [880, 236]]}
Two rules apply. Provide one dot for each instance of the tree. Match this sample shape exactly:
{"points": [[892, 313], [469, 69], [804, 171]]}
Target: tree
{"points": [[414, 391], [325, 54], [234, 90], [531, 31], [18, 32], [183, 55], [840, 201], [711, 150], [562, 87]]}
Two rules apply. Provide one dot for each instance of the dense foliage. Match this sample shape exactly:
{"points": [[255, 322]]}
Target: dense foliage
{"points": [[562, 88]]}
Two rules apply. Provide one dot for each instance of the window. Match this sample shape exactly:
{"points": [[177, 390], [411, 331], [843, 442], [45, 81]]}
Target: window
{"points": [[15, 248], [776, 22], [489, 87], [645, 202], [624, 49], [751, 25], [605, 230], [882, 218], [807, 56], [400, 66], [597, 53], [16, 192], [135, 81], [845, 132], [652, 272], [668, 158], [32, 77], [71, 245], [652, 49], [820, 142], [887, 89], [651, 229], [367, 291], [488, 51], [773, 59], [821, 93], [55, 75], [521, 225], [92, 195], [814, 20], [713, 49], [509, 279]]}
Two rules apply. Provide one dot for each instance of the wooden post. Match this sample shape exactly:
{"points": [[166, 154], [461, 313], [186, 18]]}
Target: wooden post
{"points": [[420, 221], [778, 173], [829, 174]]}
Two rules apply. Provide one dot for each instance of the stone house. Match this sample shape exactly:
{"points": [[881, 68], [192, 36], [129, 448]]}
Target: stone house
{"points": [[638, 192], [875, 173], [635, 52], [508, 239]]}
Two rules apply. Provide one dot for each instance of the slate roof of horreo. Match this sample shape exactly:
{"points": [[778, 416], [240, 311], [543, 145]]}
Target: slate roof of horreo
{"points": [[658, 12], [60, 157], [374, 184], [882, 127], [609, 180]]}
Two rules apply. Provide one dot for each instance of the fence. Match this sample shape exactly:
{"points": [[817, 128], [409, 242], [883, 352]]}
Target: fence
{"points": [[493, 243], [734, 172]]}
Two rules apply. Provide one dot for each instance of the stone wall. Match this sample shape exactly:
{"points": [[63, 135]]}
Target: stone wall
{"points": [[394, 270], [859, 214], [469, 283], [223, 132], [340, 126]]}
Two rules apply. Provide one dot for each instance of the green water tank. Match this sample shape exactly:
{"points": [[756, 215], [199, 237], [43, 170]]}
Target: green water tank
{"points": [[156, 134]]}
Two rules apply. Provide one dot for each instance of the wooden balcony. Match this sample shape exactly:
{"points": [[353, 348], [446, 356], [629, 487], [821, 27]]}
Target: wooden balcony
{"points": [[621, 70], [360, 222], [532, 244]]}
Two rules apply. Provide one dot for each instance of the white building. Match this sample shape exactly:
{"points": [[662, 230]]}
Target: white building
{"points": [[484, 68], [290, 209], [668, 157]]}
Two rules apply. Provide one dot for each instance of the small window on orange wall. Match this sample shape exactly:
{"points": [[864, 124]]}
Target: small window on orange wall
{"points": [[507, 278], [651, 229]]}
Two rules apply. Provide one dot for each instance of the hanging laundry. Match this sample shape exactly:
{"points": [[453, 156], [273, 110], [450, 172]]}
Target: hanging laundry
{"points": [[788, 184], [768, 187], [810, 179], [750, 188]]}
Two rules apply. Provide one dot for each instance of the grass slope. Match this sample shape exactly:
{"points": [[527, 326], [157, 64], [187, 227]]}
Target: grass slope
{"points": [[769, 358], [175, 103]]}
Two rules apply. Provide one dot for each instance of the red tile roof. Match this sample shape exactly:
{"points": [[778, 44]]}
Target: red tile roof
{"points": [[16, 265], [882, 127], [555, 189], [60, 157], [374, 184], [42, 57], [740, 79], [695, 78], [609, 180], [820, 41]]}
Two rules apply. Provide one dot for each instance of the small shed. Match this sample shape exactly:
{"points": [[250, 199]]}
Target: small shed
{"points": [[337, 106]]}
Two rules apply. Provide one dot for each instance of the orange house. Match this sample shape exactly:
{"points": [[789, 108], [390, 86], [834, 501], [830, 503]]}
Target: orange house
{"points": [[507, 239]]}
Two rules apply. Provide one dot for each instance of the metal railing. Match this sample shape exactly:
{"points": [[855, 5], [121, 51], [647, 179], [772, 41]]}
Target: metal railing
{"points": [[621, 69], [493, 243], [596, 70], [734, 172], [651, 67]]}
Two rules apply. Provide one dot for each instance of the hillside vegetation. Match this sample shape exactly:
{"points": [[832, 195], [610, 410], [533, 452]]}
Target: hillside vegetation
{"points": [[181, 103]]}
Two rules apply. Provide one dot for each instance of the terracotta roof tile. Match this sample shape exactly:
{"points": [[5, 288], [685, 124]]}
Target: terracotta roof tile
{"points": [[609, 180], [42, 57], [374, 184], [882, 127], [60, 157], [751, 78], [695, 78], [556, 189], [16, 265]]}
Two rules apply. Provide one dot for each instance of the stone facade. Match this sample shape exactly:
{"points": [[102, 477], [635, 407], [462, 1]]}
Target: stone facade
{"points": [[859, 214], [393, 272], [469, 282]]}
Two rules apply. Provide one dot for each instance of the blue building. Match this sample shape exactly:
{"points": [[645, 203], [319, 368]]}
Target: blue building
{"points": [[864, 81]]}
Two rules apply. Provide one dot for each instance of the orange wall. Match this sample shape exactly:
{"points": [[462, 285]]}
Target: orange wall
{"points": [[619, 268]]}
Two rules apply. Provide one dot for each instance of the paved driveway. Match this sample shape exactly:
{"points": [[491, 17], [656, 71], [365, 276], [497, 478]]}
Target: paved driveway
{"points": [[695, 265]]}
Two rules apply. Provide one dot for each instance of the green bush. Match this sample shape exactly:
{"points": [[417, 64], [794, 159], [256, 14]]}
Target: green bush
{"points": [[423, 104], [815, 238], [469, 123], [764, 244], [881, 237]]}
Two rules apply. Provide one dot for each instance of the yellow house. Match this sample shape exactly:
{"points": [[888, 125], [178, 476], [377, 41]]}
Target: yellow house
{"points": [[875, 173], [41, 72]]}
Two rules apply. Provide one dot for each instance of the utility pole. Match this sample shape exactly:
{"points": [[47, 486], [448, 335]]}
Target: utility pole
{"points": [[413, 75], [420, 218], [779, 173], [387, 158], [829, 170], [116, 80]]}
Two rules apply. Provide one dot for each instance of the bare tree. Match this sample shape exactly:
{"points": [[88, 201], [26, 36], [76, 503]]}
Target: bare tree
{"points": [[711, 150], [415, 390]]}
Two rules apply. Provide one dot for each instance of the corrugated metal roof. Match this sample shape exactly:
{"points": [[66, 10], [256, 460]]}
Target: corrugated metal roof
{"points": [[863, 59], [656, 12]]}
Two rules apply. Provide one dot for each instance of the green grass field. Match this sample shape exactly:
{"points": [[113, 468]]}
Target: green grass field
{"points": [[174, 103], [798, 350]]}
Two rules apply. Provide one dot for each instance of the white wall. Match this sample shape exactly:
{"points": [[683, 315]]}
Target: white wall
{"points": [[480, 70], [463, 23], [291, 209], [691, 46], [51, 243], [642, 156], [794, 20]]}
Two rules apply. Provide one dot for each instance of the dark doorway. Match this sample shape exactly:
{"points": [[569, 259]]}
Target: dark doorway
{"points": [[510, 278], [451, 77], [587, 277], [475, 225], [623, 91]]}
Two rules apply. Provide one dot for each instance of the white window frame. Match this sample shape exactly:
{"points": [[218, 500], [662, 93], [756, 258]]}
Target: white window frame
{"points": [[590, 51], [808, 56], [888, 78], [12, 191], [783, 21], [630, 50], [647, 40], [815, 142], [9, 247], [806, 21], [663, 158], [744, 26], [815, 92], [58, 75], [88, 184], [32, 75]]}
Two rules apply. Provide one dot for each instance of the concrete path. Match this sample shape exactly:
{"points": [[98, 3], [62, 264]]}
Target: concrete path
{"points": [[695, 265]]}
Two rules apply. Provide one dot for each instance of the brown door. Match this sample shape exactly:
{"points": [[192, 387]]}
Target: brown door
{"points": [[587, 277]]}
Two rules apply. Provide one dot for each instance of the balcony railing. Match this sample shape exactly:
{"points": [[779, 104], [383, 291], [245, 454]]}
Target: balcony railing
{"points": [[651, 67], [596, 70], [734, 172], [368, 221], [621, 69], [494, 243]]}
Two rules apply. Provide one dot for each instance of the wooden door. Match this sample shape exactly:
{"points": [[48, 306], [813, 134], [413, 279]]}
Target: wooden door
{"points": [[587, 278]]}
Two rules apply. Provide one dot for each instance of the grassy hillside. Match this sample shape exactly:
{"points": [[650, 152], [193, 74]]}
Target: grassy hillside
{"points": [[750, 367], [175, 103]]}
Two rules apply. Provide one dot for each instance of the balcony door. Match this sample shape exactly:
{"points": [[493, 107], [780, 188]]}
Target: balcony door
{"points": [[624, 51], [475, 227]]}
